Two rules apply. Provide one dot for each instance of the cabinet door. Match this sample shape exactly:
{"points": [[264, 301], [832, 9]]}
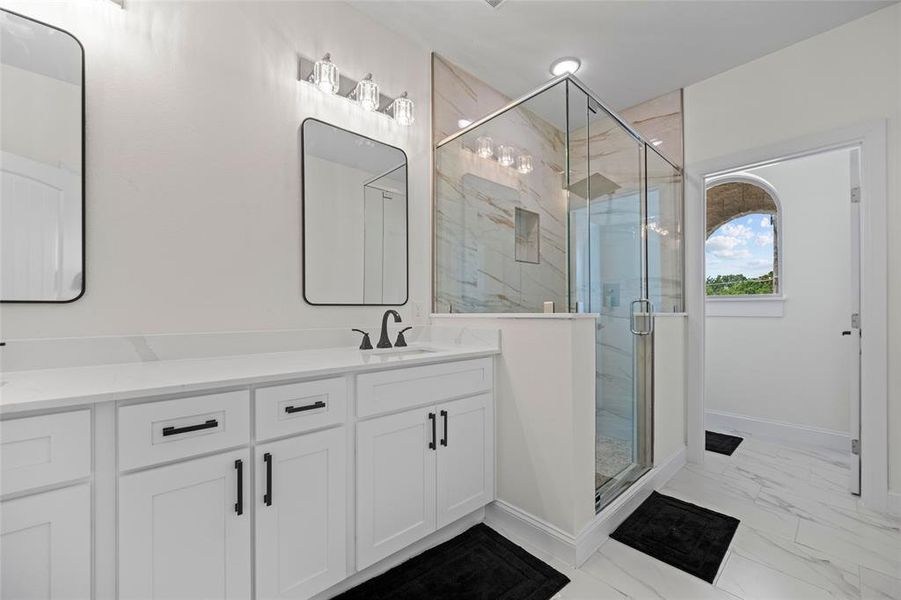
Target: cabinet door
{"points": [[45, 545], [395, 483], [465, 457], [180, 531], [301, 514]]}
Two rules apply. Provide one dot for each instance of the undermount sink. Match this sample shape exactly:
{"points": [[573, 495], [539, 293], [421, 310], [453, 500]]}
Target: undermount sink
{"points": [[401, 351]]}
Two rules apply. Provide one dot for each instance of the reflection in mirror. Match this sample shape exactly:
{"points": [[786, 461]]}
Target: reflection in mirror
{"points": [[354, 218], [42, 162]]}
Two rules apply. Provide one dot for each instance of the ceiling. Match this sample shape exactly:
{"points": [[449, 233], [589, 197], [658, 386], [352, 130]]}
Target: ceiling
{"points": [[631, 51]]}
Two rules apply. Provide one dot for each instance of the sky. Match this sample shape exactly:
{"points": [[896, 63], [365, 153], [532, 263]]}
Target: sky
{"points": [[742, 246]]}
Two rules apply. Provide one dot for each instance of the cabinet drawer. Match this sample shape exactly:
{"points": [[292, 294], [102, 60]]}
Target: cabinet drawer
{"points": [[388, 391], [156, 432], [297, 407], [38, 451]]}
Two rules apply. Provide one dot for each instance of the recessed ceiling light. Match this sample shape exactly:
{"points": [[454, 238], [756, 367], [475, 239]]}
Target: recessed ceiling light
{"points": [[464, 123], [568, 64]]}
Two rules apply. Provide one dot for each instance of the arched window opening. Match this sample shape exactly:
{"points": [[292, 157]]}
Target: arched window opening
{"points": [[742, 248]]}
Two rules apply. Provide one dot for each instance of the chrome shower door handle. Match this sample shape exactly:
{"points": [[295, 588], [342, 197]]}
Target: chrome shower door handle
{"points": [[647, 309]]}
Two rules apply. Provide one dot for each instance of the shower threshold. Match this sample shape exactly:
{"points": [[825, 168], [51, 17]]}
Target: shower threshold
{"points": [[609, 490]]}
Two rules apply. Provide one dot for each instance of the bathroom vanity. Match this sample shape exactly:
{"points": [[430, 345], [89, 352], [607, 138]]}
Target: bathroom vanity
{"points": [[270, 475]]}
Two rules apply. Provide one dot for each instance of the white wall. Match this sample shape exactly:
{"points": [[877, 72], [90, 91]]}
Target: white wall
{"points": [[794, 368], [669, 386], [193, 177], [839, 78]]}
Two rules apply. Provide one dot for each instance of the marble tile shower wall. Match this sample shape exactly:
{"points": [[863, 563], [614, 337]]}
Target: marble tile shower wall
{"points": [[476, 200]]}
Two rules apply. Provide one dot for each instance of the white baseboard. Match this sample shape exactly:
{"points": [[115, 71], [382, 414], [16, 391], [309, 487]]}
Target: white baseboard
{"points": [[517, 524], [575, 550], [778, 430], [414, 549]]}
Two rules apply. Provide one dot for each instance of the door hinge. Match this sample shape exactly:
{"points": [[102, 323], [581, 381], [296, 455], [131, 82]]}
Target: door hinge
{"points": [[855, 321], [855, 195], [855, 447]]}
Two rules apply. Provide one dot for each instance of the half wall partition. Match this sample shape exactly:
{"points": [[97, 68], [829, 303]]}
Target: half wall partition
{"points": [[555, 199]]}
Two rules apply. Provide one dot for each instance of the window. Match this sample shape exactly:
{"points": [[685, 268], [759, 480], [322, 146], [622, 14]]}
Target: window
{"points": [[742, 248]]}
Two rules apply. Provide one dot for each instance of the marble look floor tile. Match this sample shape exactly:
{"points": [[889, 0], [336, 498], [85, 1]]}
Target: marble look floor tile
{"points": [[751, 580], [879, 586], [701, 479], [639, 576], [852, 546], [749, 513], [715, 463], [836, 575], [866, 524]]}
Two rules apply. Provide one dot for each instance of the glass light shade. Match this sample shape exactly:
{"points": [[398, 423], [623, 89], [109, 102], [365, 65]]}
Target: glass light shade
{"points": [[484, 147], [325, 75], [367, 94], [524, 163], [505, 155], [402, 111]]}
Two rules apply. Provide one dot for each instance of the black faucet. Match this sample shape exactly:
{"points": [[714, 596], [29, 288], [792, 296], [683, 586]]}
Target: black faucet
{"points": [[384, 342]]}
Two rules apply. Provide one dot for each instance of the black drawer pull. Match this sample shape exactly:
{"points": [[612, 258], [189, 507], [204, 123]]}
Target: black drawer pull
{"points": [[432, 442], [209, 424], [239, 505], [314, 406], [267, 497], [444, 439]]}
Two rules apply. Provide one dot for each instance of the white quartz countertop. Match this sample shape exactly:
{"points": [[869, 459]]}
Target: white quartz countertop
{"points": [[62, 387]]}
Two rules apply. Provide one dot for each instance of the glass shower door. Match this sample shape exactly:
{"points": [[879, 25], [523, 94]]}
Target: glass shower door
{"points": [[613, 254]]}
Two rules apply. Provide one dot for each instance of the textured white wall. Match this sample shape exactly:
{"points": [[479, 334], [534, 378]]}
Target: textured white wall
{"points": [[193, 176], [794, 368], [843, 77]]}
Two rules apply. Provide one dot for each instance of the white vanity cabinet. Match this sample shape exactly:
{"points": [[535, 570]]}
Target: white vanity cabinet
{"points": [[45, 517], [46, 545], [184, 530], [301, 514], [395, 483], [272, 490], [421, 469]]}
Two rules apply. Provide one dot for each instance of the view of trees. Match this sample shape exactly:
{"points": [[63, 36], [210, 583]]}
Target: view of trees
{"points": [[739, 285]]}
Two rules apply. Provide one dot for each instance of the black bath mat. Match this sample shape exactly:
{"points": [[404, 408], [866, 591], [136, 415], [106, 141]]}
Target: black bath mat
{"points": [[688, 537], [478, 564], [721, 443]]}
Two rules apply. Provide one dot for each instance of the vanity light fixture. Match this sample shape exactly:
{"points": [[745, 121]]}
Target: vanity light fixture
{"points": [[505, 155], [402, 110], [484, 148], [366, 93], [568, 64], [524, 164], [325, 75]]}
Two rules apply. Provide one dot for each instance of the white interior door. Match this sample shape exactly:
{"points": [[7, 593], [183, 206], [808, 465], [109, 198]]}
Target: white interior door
{"points": [[45, 545], [184, 530], [395, 482], [301, 514], [465, 457], [853, 332]]}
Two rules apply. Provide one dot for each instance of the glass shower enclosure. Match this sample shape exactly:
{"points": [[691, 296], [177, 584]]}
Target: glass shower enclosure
{"points": [[555, 198]]}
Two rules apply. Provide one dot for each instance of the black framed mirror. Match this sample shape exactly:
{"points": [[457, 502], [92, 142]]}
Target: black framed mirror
{"points": [[42, 167], [355, 231]]}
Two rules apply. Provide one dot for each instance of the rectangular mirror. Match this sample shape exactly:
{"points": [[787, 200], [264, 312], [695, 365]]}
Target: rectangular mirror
{"points": [[42, 162], [354, 218]]}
